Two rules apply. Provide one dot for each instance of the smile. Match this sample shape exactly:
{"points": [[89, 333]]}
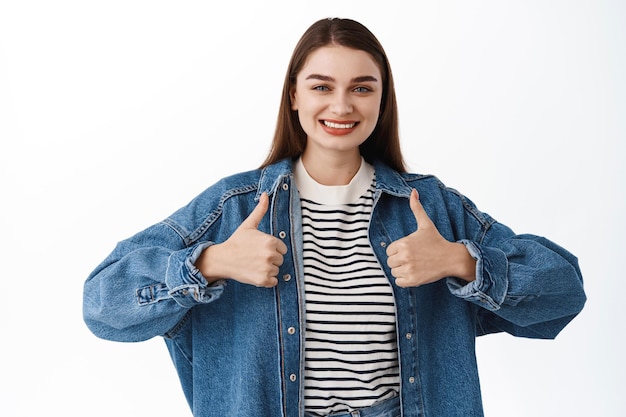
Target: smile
{"points": [[334, 125]]}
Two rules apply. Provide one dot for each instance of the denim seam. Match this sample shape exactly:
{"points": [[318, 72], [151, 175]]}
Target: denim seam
{"points": [[176, 329], [197, 234]]}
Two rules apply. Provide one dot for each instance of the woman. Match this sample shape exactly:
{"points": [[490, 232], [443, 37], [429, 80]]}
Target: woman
{"points": [[330, 281]]}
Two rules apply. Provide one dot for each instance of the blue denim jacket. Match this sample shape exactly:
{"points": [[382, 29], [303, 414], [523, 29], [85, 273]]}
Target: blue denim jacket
{"points": [[239, 349]]}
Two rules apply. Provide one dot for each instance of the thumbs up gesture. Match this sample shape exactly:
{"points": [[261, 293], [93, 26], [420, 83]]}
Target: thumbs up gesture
{"points": [[425, 256], [248, 255]]}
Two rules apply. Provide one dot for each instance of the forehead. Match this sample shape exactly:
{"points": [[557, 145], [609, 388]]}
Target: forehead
{"points": [[340, 62]]}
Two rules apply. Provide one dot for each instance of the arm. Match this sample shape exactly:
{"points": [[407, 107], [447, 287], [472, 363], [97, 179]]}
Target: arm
{"points": [[526, 285], [145, 286]]}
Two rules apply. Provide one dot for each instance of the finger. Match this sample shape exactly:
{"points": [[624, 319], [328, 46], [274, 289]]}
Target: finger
{"points": [[254, 219], [271, 279], [394, 262], [281, 247], [398, 274], [276, 260], [402, 282], [270, 282], [418, 210], [392, 249]]}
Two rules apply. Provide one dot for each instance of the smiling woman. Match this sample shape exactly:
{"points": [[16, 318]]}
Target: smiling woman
{"points": [[348, 36], [338, 108], [330, 281]]}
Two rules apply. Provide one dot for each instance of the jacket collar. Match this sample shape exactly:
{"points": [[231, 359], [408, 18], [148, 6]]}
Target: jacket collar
{"points": [[390, 181], [273, 175]]}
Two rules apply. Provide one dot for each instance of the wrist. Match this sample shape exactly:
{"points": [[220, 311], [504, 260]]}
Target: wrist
{"points": [[463, 265], [208, 263]]}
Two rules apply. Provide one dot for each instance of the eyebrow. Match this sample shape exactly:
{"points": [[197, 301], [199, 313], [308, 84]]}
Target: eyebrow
{"points": [[361, 79]]}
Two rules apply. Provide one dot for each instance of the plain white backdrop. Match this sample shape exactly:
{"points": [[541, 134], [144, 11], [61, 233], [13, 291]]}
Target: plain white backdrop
{"points": [[114, 114]]}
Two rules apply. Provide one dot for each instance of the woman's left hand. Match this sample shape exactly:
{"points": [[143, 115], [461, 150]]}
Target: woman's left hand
{"points": [[425, 256]]}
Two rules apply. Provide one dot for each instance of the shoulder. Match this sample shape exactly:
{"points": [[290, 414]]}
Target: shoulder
{"points": [[440, 196], [238, 191], [195, 218], [401, 183], [256, 180]]}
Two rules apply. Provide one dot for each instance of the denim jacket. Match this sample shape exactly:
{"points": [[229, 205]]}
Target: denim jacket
{"points": [[239, 349]]}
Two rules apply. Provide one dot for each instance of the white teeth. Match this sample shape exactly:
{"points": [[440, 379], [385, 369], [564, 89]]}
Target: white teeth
{"points": [[339, 125]]}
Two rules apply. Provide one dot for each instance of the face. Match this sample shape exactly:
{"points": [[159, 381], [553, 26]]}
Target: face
{"points": [[337, 95]]}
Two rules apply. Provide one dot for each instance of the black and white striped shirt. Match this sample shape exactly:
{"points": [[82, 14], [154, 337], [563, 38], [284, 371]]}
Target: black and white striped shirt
{"points": [[351, 358]]}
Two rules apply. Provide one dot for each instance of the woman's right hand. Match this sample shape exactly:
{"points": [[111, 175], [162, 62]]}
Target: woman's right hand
{"points": [[248, 256]]}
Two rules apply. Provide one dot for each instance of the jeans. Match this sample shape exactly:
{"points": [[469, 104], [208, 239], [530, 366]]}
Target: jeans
{"points": [[386, 408]]}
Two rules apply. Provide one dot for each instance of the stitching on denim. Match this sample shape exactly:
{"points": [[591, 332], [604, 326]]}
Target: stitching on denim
{"points": [[182, 352], [152, 296], [189, 238], [404, 179], [176, 228], [485, 220], [177, 328], [214, 215]]}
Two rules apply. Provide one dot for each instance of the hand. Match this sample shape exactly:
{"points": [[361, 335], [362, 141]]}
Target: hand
{"points": [[248, 255], [425, 256]]}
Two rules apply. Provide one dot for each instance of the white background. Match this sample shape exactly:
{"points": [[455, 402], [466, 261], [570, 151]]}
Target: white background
{"points": [[114, 114]]}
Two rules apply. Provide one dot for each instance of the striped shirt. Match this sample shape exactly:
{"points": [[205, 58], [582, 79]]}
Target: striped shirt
{"points": [[351, 358]]}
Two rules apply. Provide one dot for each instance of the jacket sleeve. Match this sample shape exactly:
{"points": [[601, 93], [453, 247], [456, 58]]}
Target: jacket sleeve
{"points": [[526, 285], [145, 286]]}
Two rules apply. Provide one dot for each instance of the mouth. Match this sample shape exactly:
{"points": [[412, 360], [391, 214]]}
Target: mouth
{"points": [[338, 125], [338, 128]]}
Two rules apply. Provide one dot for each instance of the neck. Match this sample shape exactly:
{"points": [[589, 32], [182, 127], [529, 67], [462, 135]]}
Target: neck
{"points": [[332, 171]]}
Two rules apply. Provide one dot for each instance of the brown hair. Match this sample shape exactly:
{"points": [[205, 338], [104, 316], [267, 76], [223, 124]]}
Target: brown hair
{"points": [[289, 137]]}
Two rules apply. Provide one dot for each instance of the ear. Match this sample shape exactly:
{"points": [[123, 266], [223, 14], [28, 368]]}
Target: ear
{"points": [[294, 101]]}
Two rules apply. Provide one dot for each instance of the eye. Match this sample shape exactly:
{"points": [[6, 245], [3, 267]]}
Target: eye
{"points": [[362, 90], [321, 88]]}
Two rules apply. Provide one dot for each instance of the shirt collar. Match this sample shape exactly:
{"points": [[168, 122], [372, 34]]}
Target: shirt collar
{"points": [[387, 179]]}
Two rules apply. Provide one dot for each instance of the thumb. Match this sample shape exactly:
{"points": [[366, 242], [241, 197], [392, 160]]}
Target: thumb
{"points": [[418, 210], [254, 219]]}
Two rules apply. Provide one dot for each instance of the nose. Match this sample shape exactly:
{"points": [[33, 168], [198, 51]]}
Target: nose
{"points": [[341, 104]]}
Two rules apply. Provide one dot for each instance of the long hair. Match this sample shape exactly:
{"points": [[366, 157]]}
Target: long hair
{"points": [[289, 137]]}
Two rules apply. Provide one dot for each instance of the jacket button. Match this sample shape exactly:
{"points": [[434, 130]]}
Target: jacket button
{"points": [[293, 377], [383, 244], [287, 277], [409, 336], [282, 234], [291, 330], [412, 380], [285, 187]]}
